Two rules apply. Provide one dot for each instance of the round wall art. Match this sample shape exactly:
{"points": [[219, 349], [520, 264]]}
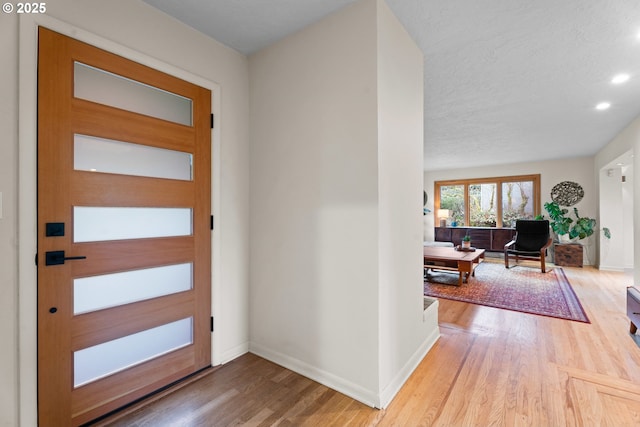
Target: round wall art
{"points": [[425, 199], [567, 193]]}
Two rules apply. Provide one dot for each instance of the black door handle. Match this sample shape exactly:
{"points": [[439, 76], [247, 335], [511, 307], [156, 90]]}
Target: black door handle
{"points": [[58, 258]]}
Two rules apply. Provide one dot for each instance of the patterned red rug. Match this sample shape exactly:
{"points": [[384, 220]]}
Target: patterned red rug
{"points": [[520, 288]]}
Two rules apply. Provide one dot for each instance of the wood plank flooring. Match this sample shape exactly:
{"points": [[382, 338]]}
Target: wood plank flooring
{"points": [[491, 367]]}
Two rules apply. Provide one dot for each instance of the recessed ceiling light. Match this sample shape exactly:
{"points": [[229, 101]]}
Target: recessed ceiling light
{"points": [[603, 106], [620, 78]]}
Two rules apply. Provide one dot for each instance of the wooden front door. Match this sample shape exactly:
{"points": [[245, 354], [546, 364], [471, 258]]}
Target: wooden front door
{"points": [[124, 254]]}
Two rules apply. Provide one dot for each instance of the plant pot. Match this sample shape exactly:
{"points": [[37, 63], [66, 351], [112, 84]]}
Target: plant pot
{"points": [[564, 238], [466, 244]]}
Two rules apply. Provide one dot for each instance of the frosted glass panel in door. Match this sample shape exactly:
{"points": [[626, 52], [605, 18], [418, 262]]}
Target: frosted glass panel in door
{"points": [[110, 290], [98, 224], [109, 156], [104, 359], [106, 88]]}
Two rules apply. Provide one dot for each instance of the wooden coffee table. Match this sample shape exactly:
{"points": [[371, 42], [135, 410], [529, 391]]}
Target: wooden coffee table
{"points": [[451, 259]]}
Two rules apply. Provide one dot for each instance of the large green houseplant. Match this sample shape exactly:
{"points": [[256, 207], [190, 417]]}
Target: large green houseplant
{"points": [[562, 224], [559, 222]]}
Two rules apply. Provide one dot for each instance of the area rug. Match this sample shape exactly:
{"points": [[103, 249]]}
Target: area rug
{"points": [[519, 288]]}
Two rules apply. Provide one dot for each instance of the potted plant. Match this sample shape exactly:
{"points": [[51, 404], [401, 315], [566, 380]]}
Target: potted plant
{"points": [[559, 222], [583, 228], [466, 242], [568, 229]]}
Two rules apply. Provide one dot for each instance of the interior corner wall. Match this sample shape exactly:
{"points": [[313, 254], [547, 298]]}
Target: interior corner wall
{"points": [[404, 336], [149, 33], [314, 221], [625, 141]]}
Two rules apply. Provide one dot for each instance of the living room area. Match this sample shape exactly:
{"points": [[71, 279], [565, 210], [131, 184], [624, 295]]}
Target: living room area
{"points": [[606, 189], [483, 203]]}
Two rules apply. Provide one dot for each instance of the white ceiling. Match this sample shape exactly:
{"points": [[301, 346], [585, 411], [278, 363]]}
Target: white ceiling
{"points": [[506, 81]]}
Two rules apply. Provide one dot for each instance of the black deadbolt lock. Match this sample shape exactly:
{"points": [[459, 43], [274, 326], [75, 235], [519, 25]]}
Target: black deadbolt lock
{"points": [[54, 229]]}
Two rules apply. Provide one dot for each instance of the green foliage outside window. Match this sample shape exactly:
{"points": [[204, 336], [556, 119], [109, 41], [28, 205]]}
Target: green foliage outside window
{"points": [[516, 202], [452, 198], [482, 201]]}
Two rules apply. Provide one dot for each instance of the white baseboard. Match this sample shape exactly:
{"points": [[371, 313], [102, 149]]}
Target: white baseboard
{"points": [[390, 391], [348, 388], [610, 268], [325, 378], [233, 353]]}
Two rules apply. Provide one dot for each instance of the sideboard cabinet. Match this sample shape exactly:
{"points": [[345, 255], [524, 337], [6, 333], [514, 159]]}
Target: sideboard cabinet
{"points": [[487, 238]]}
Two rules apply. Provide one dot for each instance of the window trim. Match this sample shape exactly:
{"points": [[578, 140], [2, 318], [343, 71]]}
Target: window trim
{"points": [[535, 178]]}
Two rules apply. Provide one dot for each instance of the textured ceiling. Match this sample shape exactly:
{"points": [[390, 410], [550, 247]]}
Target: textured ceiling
{"points": [[506, 81]]}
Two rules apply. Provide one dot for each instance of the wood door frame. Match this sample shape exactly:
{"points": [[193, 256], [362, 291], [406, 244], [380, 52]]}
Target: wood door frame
{"points": [[27, 191]]}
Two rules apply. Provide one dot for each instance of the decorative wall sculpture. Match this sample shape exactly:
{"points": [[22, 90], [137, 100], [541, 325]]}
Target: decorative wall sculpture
{"points": [[567, 193]]}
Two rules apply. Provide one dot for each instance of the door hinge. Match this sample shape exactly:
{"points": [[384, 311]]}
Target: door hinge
{"points": [[212, 121], [211, 323], [212, 222], [36, 259]]}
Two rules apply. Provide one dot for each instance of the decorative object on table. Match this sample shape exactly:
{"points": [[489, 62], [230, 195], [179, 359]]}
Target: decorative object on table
{"points": [[526, 290], [466, 242], [443, 215], [531, 242], [567, 193]]}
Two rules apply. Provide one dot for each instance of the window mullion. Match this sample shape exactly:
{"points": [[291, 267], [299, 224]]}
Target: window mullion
{"points": [[467, 207], [499, 204]]}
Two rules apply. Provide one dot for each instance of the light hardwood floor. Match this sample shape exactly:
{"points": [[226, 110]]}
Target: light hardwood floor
{"points": [[490, 367]]}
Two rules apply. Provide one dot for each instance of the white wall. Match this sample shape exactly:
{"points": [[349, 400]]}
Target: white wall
{"points": [[136, 27], [404, 337], [314, 245], [625, 232], [627, 217], [615, 205], [551, 172], [321, 196], [9, 221]]}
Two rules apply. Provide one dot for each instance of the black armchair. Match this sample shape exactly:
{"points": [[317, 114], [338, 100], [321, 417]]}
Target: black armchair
{"points": [[531, 242]]}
